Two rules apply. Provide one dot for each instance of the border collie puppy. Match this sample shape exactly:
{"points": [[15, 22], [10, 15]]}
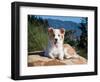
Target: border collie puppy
{"points": [[56, 48]]}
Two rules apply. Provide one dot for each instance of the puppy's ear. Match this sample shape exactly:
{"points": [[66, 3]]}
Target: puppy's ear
{"points": [[50, 29], [62, 30]]}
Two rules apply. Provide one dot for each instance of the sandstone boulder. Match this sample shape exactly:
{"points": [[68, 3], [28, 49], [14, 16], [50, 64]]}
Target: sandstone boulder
{"points": [[38, 60]]}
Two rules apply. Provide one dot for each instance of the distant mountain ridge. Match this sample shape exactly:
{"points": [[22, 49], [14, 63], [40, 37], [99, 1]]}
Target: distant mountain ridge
{"points": [[68, 25]]}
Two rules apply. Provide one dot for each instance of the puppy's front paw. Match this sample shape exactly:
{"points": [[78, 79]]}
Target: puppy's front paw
{"points": [[51, 56], [73, 56], [61, 58], [68, 56]]}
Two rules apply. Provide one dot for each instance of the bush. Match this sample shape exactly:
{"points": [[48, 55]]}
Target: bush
{"points": [[37, 37]]}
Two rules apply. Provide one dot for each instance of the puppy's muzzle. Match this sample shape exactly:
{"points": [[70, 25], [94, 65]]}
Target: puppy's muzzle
{"points": [[55, 41]]}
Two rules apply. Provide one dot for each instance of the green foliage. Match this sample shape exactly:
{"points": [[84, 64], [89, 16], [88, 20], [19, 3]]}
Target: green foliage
{"points": [[37, 35], [82, 52], [70, 37], [83, 38]]}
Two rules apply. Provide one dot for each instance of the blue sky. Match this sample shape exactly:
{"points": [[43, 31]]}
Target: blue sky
{"points": [[62, 18]]}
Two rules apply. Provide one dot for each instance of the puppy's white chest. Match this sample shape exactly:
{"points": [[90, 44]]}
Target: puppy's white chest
{"points": [[56, 50]]}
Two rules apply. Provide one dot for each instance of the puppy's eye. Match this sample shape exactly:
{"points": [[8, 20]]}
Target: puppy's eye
{"points": [[53, 35], [59, 35]]}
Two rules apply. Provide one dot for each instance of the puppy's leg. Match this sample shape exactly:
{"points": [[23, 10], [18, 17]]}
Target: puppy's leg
{"points": [[71, 56], [76, 55], [66, 55], [51, 56], [61, 56]]}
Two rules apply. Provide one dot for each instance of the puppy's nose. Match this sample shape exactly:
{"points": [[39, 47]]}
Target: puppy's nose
{"points": [[56, 39]]}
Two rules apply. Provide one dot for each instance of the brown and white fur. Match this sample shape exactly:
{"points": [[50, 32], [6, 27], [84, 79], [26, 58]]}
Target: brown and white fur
{"points": [[56, 48]]}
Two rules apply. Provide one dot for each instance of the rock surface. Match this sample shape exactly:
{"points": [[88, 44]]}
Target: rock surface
{"points": [[37, 60]]}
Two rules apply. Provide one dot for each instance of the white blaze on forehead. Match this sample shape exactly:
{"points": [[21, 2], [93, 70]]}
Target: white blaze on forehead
{"points": [[57, 31], [57, 35]]}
